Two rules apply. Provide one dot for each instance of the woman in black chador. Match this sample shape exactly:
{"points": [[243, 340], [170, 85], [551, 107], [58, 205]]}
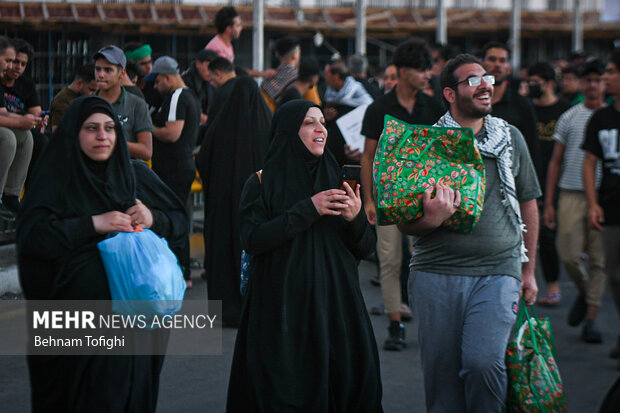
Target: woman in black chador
{"points": [[234, 147], [305, 343], [83, 188]]}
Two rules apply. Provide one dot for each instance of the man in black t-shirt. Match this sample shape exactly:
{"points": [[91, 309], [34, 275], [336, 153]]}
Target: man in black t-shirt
{"points": [[603, 142], [406, 102], [508, 104], [20, 96], [175, 130], [548, 108]]}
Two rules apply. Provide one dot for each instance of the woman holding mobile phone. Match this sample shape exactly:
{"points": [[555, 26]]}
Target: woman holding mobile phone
{"points": [[305, 342]]}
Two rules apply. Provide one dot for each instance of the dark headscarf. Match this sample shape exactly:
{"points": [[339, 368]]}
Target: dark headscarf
{"points": [[291, 171], [68, 183]]}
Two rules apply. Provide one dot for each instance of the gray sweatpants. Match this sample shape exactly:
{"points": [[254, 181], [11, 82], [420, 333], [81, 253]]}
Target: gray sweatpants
{"points": [[464, 324], [15, 153]]}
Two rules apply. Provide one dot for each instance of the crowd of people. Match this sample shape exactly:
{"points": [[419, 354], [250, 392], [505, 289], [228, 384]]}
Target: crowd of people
{"points": [[269, 160]]}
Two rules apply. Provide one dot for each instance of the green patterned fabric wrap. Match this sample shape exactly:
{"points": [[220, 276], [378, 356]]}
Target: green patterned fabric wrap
{"points": [[411, 158], [534, 382]]}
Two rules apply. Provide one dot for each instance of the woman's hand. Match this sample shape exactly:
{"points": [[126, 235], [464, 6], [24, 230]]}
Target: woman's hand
{"points": [[140, 215], [330, 202], [113, 221], [354, 203]]}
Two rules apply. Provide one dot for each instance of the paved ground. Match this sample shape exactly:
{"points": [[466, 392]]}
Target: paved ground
{"points": [[198, 384]]}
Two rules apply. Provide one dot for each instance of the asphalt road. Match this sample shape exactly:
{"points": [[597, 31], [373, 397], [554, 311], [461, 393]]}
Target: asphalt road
{"points": [[198, 384]]}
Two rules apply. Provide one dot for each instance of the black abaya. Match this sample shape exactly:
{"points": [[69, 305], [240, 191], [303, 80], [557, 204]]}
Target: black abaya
{"points": [[58, 259], [305, 343], [234, 147]]}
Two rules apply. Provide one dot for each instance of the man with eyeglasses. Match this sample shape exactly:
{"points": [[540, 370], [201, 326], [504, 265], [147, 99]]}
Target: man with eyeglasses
{"points": [[413, 61], [465, 286]]}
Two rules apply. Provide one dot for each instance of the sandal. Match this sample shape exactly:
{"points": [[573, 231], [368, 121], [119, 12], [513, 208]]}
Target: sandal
{"points": [[550, 300]]}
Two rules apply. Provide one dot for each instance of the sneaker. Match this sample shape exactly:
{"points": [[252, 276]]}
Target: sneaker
{"points": [[577, 312], [5, 213], [378, 309], [396, 337], [591, 334], [615, 352], [11, 202]]}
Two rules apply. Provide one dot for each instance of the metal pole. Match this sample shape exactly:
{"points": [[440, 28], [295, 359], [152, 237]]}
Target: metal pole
{"points": [[515, 35], [360, 29], [441, 35], [258, 35], [577, 27]]}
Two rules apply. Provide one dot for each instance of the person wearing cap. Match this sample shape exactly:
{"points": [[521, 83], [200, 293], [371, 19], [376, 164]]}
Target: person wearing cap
{"points": [[131, 111], [176, 130], [289, 54]]}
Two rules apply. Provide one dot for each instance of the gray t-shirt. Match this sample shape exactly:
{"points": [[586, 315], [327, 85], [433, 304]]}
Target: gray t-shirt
{"points": [[493, 247], [133, 115]]}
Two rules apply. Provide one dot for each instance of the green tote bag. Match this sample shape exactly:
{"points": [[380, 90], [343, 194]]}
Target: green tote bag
{"points": [[411, 158]]}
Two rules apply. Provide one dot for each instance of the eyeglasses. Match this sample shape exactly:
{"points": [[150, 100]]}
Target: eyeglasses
{"points": [[477, 80]]}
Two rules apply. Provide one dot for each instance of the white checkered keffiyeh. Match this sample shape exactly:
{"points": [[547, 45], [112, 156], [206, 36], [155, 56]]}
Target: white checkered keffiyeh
{"points": [[497, 145]]}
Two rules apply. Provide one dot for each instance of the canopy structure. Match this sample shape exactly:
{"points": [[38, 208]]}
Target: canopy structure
{"points": [[380, 23]]}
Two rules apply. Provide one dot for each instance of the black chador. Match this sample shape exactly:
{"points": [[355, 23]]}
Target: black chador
{"points": [[305, 343], [58, 260], [234, 147]]}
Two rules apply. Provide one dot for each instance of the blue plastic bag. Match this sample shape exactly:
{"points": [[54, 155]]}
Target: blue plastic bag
{"points": [[143, 274]]}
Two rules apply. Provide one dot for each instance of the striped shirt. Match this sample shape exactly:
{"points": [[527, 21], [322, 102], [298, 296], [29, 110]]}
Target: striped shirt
{"points": [[570, 131]]}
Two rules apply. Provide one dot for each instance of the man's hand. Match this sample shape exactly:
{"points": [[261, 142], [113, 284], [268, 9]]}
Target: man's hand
{"points": [[436, 210], [269, 73], [596, 216], [371, 212], [529, 288], [442, 206], [549, 216], [28, 121], [352, 154]]}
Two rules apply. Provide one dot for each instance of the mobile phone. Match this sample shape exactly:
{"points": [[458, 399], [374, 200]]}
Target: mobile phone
{"points": [[351, 175], [43, 114]]}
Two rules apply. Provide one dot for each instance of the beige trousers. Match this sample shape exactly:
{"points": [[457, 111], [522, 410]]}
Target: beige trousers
{"points": [[390, 253], [574, 237]]}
